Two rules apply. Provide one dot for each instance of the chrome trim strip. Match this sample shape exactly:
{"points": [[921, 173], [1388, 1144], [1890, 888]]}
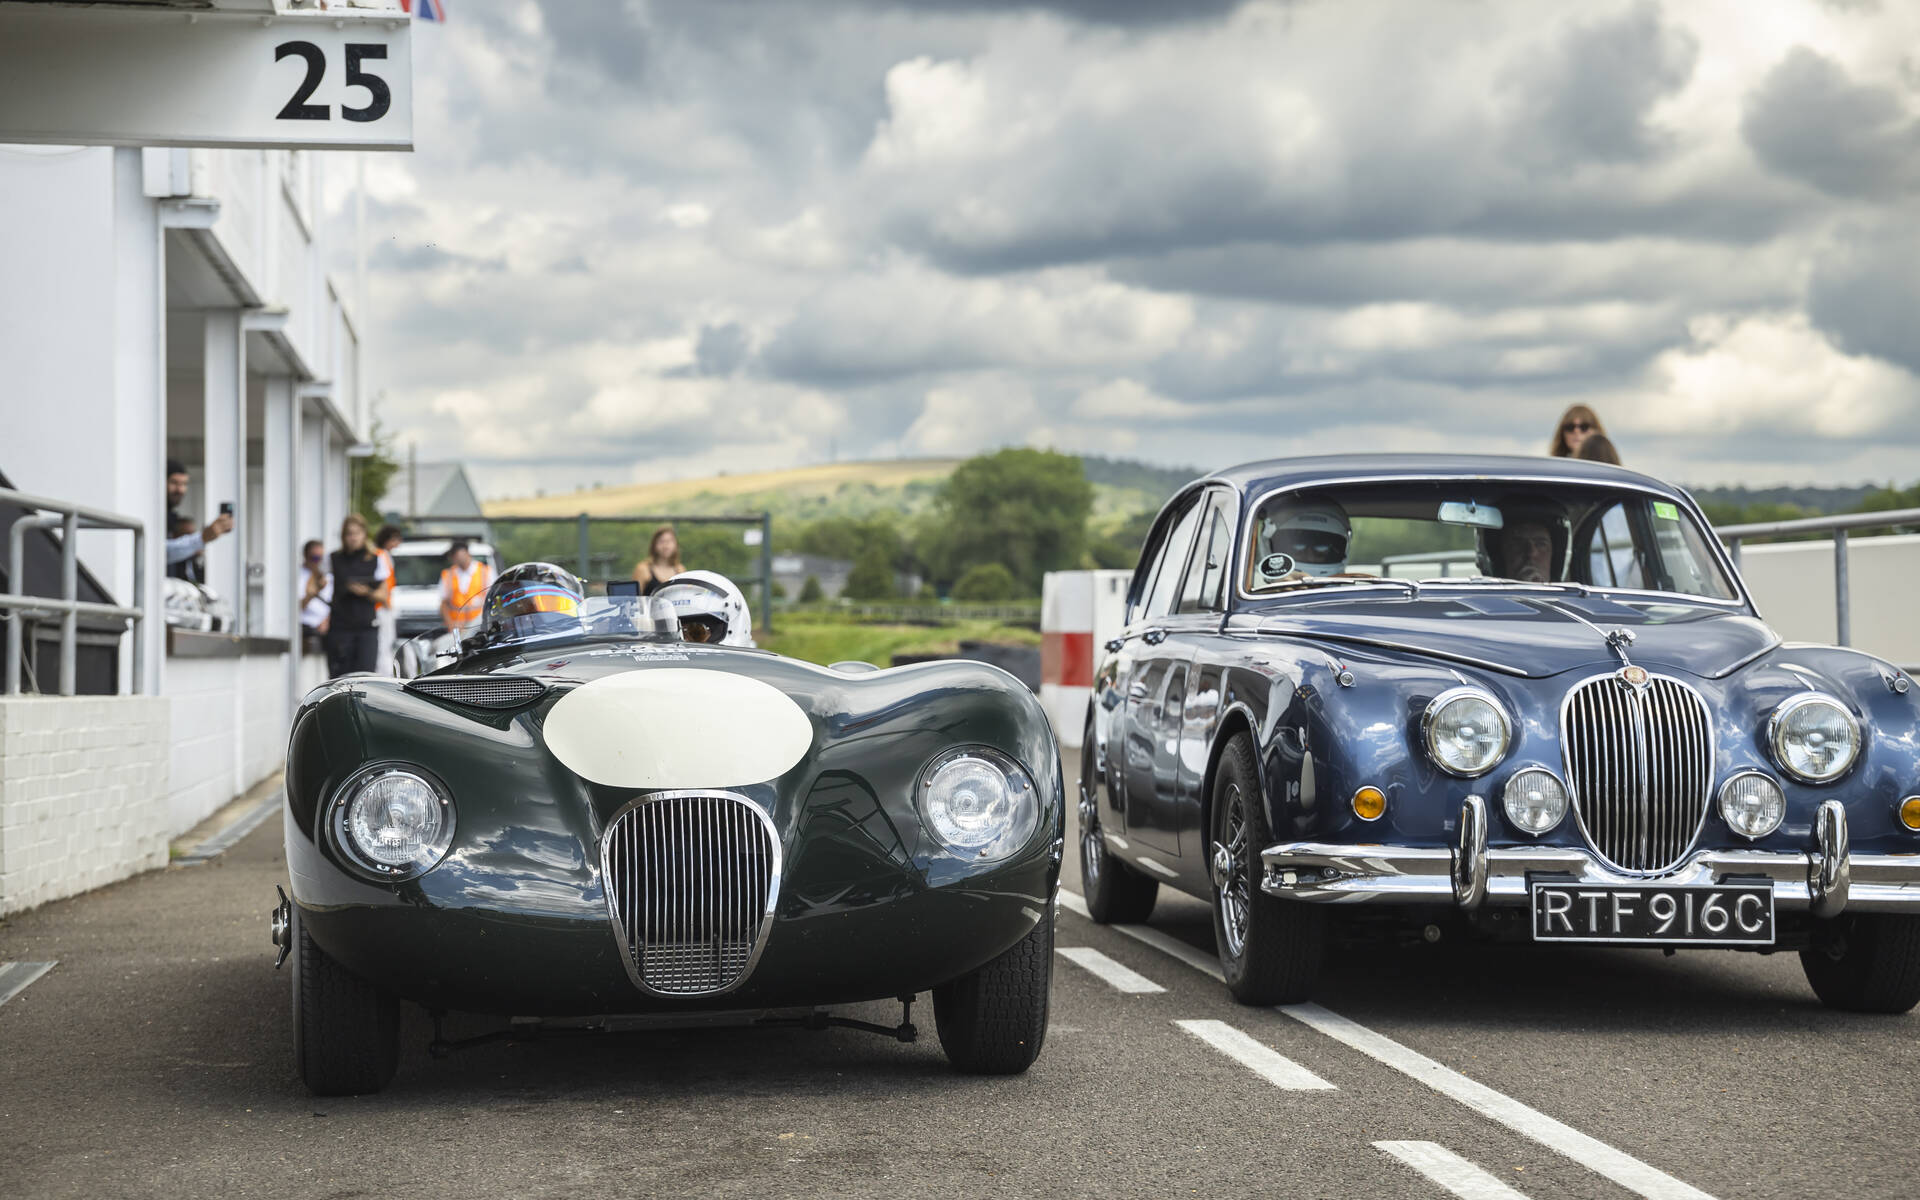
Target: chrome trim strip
{"points": [[1671, 495], [729, 895]]}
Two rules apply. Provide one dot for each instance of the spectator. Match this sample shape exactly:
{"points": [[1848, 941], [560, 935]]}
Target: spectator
{"points": [[182, 547], [358, 577], [383, 544], [662, 561], [316, 594], [193, 570], [1599, 448], [463, 585], [1577, 424]]}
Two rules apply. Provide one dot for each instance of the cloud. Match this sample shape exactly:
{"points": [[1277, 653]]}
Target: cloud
{"points": [[1809, 121], [1588, 94]]}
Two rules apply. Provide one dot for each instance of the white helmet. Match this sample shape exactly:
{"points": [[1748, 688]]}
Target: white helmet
{"points": [[1308, 538], [711, 609]]}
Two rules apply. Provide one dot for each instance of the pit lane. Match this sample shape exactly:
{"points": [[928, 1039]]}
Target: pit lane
{"points": [[153, 1060]]}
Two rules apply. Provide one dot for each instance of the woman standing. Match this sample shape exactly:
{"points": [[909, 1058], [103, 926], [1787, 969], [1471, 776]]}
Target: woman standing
{"points": [[359, 578], [384, 544], [1577, 425], [662, 562]]}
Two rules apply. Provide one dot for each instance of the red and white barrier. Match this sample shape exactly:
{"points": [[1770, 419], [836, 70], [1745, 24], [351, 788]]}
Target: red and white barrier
{"points": [[1079, 612]]}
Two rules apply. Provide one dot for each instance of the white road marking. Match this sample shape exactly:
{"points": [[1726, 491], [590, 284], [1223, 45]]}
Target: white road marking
{"points": [[1072, 902], [1450, 1171], [15, 976], [1591, 1153], [1117, 975], [1270, 1065], [1617, 1165]]}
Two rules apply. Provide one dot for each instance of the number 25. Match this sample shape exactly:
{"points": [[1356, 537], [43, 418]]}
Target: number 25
{"points": [[379, 97]]}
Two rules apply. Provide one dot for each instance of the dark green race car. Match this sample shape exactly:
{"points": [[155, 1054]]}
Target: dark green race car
{"points": [[597, 817]]}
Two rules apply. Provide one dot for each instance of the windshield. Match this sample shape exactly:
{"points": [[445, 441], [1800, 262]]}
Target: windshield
{"points": [[1565, 535], [639, 618], [423, 570]]}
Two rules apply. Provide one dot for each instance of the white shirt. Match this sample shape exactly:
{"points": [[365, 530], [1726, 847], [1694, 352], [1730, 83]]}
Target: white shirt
{"points": [[315, 610]]}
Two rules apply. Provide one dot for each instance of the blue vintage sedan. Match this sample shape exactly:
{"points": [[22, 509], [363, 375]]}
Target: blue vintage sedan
{"points": [[1584, 733]]}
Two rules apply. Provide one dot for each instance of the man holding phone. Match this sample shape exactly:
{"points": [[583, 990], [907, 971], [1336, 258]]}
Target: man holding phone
{"points": [[181, 549]]}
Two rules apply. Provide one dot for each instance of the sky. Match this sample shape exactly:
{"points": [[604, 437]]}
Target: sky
{"points": [[654, 239]]}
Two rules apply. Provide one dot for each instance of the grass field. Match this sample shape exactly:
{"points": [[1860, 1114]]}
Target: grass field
{"points": [[827, 642]]}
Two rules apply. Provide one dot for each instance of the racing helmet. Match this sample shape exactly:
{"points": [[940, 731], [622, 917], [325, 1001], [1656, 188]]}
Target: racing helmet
{"points": [[534, 599], [1309, 537], [710, 608]]}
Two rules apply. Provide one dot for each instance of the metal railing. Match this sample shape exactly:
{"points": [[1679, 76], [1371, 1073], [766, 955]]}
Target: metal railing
{"points": [[1445, 559], [70, 519], [1839, 527]]}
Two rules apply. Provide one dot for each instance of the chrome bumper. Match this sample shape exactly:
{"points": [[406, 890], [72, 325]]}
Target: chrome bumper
{"points": [[1827, 880]]}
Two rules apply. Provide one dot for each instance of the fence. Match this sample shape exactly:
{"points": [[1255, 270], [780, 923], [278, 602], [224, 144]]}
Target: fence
{"points": [[923, 614], [1839, 527], [71, 519]]}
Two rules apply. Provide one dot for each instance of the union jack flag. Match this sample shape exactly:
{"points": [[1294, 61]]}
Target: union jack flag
{"points": [[426, 10]]}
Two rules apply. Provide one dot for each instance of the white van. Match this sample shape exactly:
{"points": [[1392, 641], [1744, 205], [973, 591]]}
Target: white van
{"points": [[416, 582]]}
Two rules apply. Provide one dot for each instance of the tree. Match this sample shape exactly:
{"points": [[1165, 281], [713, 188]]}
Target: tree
{"points": [[986, 582], [1024, 509], [872, 577], [811, 592], [372, 474]]}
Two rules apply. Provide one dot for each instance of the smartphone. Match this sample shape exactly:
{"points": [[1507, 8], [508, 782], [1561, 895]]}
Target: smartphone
{"points": [[226, 508]]}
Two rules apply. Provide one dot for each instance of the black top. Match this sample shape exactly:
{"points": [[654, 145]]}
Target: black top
{"points": [[351, 612]]}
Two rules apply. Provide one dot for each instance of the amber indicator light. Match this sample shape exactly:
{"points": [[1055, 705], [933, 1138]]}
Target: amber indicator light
{"points": [[1370, 802], [1910, 813]]}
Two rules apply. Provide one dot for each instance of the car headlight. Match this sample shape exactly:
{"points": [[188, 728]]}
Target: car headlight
{"points": [[394, 823], [1466, 732], [1535, 800], [1752, 804], [979, 802], [1815, 739]]}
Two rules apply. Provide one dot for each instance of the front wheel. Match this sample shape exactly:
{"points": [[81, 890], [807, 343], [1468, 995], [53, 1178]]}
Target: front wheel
{"points": [[1116, 893], [1867, 962], [346, 1032], [993, 1021], [1270, 949]]}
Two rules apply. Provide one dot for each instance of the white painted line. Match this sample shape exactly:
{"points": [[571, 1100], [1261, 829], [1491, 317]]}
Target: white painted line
{"points": [[1450, 1171], [1270, 1065], [1072, 902], [1591, 1153], [15, 976], [1199, 960], [1117, 975]]}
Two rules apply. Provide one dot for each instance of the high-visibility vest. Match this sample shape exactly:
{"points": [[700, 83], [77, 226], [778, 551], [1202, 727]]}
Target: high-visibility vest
{"points": [[463, 609]]}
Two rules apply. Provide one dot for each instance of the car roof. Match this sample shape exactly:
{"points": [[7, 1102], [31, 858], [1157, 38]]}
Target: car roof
{"points": [[1269, 474]]}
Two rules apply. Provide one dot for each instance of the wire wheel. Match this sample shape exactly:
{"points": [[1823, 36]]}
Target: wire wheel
{"points": [[1232, 874], [1093, 849]]}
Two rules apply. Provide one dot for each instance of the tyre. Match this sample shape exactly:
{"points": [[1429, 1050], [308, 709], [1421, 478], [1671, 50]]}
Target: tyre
{"points": [[1270, 949], [993, 1021], [346, 1032], [1868, 962], [1116, 894]]}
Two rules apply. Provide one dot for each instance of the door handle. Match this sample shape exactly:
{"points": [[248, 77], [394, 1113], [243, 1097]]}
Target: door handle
{"points": [[1153, 637]]}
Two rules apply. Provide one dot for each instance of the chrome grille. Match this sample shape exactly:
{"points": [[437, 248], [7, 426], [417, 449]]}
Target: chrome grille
{"points": [[1639, 762], [480, 691], [691, 880]]}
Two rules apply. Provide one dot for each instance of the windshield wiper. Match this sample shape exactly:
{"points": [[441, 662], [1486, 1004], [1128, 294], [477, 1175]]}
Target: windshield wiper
{"points": [[1578, 589]]}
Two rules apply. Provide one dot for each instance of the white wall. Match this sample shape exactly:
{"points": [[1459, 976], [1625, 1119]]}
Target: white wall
{"points": [[1792, 583]]}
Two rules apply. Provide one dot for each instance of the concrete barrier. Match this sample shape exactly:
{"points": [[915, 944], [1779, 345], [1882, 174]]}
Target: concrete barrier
{"points": [[1079, 612], [1792, 583]]}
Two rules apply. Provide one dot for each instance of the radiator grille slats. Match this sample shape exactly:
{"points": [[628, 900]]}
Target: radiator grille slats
{"points": [[691, 881], [1639, 762]]}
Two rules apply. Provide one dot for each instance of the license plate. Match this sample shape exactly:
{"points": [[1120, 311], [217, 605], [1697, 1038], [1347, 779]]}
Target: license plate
{"points": [[1709, 915]]}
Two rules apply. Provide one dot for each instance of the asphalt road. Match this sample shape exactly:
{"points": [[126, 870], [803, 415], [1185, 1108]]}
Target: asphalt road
{"points": [[155, 1060]]}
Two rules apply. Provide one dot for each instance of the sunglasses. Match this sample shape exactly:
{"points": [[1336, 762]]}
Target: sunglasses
{"points": [[1577, 427]]}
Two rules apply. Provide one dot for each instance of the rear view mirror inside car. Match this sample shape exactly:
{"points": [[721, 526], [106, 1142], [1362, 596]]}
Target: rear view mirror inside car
{"points": [[1481, 516]]}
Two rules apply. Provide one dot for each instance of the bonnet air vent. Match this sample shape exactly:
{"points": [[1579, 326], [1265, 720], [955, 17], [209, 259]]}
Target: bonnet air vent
{"points": [[480, 691]]}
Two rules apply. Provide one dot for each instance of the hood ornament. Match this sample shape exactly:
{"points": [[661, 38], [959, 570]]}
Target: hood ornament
{"points": [[1617, 641]]}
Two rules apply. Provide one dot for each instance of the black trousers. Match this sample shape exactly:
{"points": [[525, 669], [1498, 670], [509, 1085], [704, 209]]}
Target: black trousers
{"points": [[350, 650]]}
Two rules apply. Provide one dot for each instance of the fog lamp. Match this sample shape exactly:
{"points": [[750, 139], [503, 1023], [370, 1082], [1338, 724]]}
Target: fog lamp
{"points": [[1752, 804], [1535, 800], [1369, 803], [1910, 813]]}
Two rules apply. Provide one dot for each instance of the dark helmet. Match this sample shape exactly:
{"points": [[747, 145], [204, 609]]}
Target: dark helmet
{"points": [[532, 600]]}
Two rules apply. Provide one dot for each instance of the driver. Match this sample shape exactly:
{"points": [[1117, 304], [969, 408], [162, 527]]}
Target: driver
{"points": [[1526, 549], [1303, 540], [711, 609], [532, 600]]}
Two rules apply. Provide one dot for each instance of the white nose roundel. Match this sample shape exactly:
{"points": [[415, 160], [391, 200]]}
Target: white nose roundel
{"points": [[677, 727]]}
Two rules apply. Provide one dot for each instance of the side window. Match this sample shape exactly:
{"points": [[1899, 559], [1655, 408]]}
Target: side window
{"points": [[1202, 590], [1172, 561], [1609, 557]]}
